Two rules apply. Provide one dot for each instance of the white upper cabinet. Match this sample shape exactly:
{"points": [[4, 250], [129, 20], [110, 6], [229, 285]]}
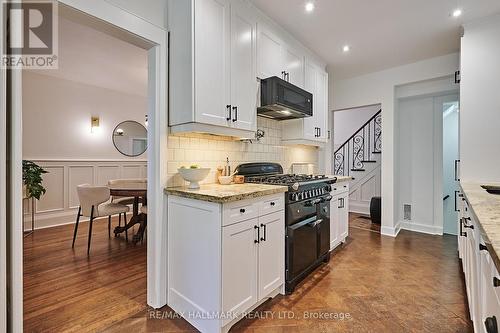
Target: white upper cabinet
{"points": [[213, 86], [243, 68], [293, 66], [269, 54], [276, 58], [311, 130], [212, 81], [218, 51]]}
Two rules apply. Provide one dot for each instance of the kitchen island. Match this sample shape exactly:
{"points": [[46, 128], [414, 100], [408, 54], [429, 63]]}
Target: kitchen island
{"points": [[226, 251], [479, 249]]}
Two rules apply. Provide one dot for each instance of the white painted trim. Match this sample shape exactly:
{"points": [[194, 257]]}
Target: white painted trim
{"points": [[16, 211], [131, 160], [391, 231], [303, 142], [3, 193], [157, 176], [157, 134], [423, 228]]}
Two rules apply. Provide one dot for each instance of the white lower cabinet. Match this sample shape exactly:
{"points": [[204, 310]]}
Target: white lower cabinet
{"points": [[224, 259], [271, 248], [239, 266], [339, 215], [490, 295], [483, 291]]}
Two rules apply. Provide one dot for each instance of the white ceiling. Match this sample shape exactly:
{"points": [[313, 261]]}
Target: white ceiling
{"points": [[381, 33], [95, 58]]}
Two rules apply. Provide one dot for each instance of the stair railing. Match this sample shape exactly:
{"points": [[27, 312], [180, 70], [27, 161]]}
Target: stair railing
{"points": [[358, 150]]}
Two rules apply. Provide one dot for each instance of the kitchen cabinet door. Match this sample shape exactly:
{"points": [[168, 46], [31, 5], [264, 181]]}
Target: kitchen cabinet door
{"points": [[243, 73], [334, 222], [239, 266], [271, 252], [294, 66], [212, 61], [310, 127], [269, 50], [490, 300], [343, 216], [320, 105]]}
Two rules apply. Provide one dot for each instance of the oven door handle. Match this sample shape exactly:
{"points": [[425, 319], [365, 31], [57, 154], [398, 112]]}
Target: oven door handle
{"points": [[315, 223], [303, 223]]}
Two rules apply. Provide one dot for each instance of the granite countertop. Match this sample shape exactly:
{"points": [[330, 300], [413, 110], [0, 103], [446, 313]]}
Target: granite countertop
{"points": [[485, 208], [341, 179], [226, 193]]}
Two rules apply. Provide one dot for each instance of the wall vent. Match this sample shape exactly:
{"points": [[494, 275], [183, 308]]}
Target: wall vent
{"points": [[407, 212]]}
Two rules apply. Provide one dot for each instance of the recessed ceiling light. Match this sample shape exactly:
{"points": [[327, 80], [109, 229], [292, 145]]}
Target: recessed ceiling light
{"points": [[457, 12], [346, 48], [309, 6]]}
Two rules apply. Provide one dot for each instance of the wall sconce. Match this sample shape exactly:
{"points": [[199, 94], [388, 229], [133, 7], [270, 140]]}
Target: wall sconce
{"points": [[119, 132], [94, 124]]}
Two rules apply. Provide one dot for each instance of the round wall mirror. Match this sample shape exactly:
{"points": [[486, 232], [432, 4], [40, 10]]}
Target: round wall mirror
{"points": [[130, 138]]}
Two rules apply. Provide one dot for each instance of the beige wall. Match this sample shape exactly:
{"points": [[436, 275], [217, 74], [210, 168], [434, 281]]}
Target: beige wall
{"points": [[211, 151], [56, 118]]}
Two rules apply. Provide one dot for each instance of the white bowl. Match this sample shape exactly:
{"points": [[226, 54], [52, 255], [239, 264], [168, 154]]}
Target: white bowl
{"points": [[225, 180], [194, 176]]}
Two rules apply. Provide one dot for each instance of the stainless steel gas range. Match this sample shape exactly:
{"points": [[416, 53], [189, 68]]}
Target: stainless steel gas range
{"points": [[307, 216]]}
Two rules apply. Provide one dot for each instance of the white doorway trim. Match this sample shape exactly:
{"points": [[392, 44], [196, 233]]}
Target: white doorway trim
{"points": [[3, 191], [157, 136]]}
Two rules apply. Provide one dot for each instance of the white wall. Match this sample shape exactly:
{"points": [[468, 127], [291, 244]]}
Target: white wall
{"points": [[416, 161], [377, 88], [56, 118], [480, 101], [346, 122]]}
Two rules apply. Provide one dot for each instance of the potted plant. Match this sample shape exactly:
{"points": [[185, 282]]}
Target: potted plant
{"points": [[32, 179]]}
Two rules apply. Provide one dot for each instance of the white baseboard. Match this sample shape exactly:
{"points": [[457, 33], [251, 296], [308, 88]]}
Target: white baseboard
{"points": [[54, 220], [423, 228], [390, 231], [356, 207]]}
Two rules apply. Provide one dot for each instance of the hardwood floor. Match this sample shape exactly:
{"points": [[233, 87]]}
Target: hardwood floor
{"points": [[409, 284]]}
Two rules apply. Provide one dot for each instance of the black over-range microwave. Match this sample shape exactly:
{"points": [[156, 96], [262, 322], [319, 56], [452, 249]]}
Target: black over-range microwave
{"points": [[282, 100]]}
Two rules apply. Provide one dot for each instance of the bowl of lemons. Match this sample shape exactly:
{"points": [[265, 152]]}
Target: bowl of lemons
{"points": [[194, 175]]}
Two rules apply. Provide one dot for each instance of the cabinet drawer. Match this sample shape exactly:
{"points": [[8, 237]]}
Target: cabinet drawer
{"points": [[239, 211], [339, 188], [272, 204]]}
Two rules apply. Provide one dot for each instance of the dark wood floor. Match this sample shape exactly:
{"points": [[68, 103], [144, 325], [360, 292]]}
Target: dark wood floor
{"points": [[409, 284]]}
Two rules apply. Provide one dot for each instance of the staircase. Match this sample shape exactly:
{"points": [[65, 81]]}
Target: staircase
{"points": [[360, 157]]}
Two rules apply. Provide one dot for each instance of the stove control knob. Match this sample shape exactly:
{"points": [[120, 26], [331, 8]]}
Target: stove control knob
{"points": [[300, 196], [293, 197]]}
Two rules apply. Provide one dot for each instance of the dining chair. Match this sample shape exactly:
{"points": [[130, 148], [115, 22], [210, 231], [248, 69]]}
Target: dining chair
{"points": [[94, 203], [144, 211]]}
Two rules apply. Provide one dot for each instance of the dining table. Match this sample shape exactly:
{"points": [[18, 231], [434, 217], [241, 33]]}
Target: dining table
{"points": [[139, 192]]}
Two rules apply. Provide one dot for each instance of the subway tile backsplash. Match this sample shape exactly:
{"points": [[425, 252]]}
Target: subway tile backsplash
{"points": [[210, 151]]}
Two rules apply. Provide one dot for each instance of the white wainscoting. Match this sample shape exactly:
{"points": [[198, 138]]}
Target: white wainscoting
{"points": [[363, 190], [59, 205]]}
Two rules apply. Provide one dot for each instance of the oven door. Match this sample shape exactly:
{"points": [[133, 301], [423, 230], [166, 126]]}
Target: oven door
{"points": [[302, 246]]}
